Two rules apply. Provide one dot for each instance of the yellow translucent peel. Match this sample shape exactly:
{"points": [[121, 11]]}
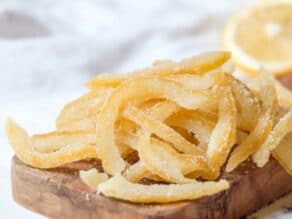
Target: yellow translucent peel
{"points": [[199, 64], [283, 153], [224, 134], [262, 129], [160, 129], [280, 130], [247, 103], [20, 142], [136, 172], [143, 88], [92, 177], [77, 113], [53, 141], [161, 159], [158, 193]]}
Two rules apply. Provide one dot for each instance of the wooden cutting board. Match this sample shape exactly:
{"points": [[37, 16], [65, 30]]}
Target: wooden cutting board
{"points": [[59, 193]]}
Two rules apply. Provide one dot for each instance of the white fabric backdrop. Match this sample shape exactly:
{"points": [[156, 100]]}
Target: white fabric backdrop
{"points": [[49, 48]]}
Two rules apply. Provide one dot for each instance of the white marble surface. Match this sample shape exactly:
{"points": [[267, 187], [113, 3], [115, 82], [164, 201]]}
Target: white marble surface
{"points": [[49, 48]]}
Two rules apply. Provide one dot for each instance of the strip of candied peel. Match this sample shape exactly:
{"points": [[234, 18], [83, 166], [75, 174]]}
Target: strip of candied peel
{"points": [[139, 193]]}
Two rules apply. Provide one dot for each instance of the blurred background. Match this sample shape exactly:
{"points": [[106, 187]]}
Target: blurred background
{"points": [[50, 48]]}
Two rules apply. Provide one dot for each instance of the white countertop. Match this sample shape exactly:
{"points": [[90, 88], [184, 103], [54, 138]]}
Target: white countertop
{"points": [[49, 48]]}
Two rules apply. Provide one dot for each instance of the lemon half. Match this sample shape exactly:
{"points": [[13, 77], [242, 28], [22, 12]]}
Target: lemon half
{"points": [[261, 37]]}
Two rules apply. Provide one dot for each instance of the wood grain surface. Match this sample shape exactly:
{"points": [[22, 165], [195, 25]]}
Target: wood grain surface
{"points": [[59, 193]]}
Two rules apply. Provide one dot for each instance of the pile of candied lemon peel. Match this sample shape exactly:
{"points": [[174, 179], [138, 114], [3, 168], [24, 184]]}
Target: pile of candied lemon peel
{"points": [[185, 122]]}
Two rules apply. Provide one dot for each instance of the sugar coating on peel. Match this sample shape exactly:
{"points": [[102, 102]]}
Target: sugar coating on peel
{"points": [[247, 103], [53, 141], [188, 162], [162, 110], [105, 80], [136, 172], [196, 82], [283, 153], [224, 134], [194, 123], [158, 128], [127, 92], [92, 177], [281, 129], [262, 129], [158, 193], [76, 113], [20, 142], [198, 64], [161, 160]]}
